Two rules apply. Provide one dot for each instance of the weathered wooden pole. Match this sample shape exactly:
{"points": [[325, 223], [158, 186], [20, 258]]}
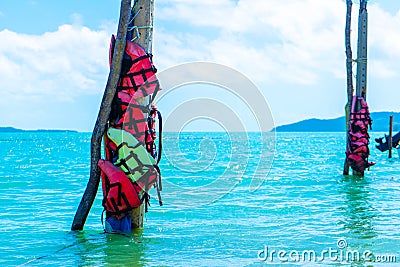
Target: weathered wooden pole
{"points": [[390, 141], [144, 21], [361, 84], [349, 68], [102, 118], [361, 78]]}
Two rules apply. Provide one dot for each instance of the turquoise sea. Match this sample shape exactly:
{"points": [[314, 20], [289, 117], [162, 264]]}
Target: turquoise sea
{"points": [[304, 204]]}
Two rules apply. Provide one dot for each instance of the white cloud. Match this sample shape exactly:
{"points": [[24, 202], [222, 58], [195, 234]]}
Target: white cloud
{"points": [[304, 37], [384, 38], [289, 48], [62, 64], [288, 40], [53, 80]]}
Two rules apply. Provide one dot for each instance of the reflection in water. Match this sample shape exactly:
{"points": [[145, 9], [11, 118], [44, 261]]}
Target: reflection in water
{"points": [[359, 215], [109, 249]]}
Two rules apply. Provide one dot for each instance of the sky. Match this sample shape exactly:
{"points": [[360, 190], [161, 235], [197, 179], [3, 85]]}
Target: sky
{"points": [[54, 55]]}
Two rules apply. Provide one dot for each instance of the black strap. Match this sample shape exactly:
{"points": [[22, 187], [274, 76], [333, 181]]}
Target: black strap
{"points": [[156, 90], [135, 86], [102, 219], [159, 136]]}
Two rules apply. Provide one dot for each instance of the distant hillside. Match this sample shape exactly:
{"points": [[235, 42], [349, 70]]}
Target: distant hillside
{"points": [[380, 124], [15, 130], [9, 130]]}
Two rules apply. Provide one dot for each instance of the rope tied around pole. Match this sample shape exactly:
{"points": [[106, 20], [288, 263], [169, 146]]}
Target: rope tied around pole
{"points": [[136, 29], [360, 60]]}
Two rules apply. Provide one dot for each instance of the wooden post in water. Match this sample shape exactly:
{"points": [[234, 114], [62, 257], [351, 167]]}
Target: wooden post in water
{"points": [[349, 68], [144, 21], [361, 84], [102, 118], [361, 78], [390, 141]]}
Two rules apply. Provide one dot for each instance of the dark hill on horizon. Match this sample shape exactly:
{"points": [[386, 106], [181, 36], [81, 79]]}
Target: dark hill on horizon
{"points": [[15, 130], [380, 123]]}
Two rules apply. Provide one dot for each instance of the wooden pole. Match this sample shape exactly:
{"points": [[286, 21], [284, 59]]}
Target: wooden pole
{"points": [[349, 68], [361, 81], [144, 22], [102, 118], [361, 85], [390, 141]]}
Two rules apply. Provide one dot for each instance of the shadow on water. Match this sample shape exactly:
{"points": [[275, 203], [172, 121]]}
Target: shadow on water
{"points": [[358, 215], [109, 249], [95, 249]]}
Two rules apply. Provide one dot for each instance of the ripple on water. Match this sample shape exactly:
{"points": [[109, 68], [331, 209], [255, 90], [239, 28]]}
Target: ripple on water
{"points": [[304, 203]]}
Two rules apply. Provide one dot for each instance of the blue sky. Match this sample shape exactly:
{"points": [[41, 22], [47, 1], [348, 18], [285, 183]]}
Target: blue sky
{"points": [[54, 54]]}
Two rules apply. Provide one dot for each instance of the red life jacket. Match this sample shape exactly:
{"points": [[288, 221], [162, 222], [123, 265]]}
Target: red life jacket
{"points": [[137, 76], [137, 79], [131, 117], [110, 149], [119, 193], [148, 179]]}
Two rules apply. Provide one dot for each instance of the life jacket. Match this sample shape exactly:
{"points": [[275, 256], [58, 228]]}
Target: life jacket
{"points": [[128, 128], [361, 150], [361, 118], [119, 193], [358, 138], [110, 149], [149, 179], [133, 158], [130, 117], [137, 76], [358, 163]]}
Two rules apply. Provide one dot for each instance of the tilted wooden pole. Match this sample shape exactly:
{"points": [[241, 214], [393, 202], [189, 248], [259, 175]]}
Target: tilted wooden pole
{"points": [[102, 118], [349, 68], [144, 21]]}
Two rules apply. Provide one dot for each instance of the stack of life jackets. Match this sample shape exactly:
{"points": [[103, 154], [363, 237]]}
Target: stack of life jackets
{"points": [[357, 151], [130, 168]]}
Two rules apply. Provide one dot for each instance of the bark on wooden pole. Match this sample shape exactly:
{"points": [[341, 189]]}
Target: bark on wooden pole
{"points": [[361, 85], [144, 21], [390, 140], [361, 81], [102, 118], [349, 69]]}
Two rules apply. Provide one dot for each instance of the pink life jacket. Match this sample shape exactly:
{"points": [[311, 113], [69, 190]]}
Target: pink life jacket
{"points": [[357, 151]]}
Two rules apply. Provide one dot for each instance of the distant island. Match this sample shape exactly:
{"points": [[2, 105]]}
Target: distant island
{"points": [[380, 123], [15, 130]]}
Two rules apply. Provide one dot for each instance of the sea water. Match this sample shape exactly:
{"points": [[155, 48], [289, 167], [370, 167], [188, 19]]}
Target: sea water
{"points": [[210, 217]]}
